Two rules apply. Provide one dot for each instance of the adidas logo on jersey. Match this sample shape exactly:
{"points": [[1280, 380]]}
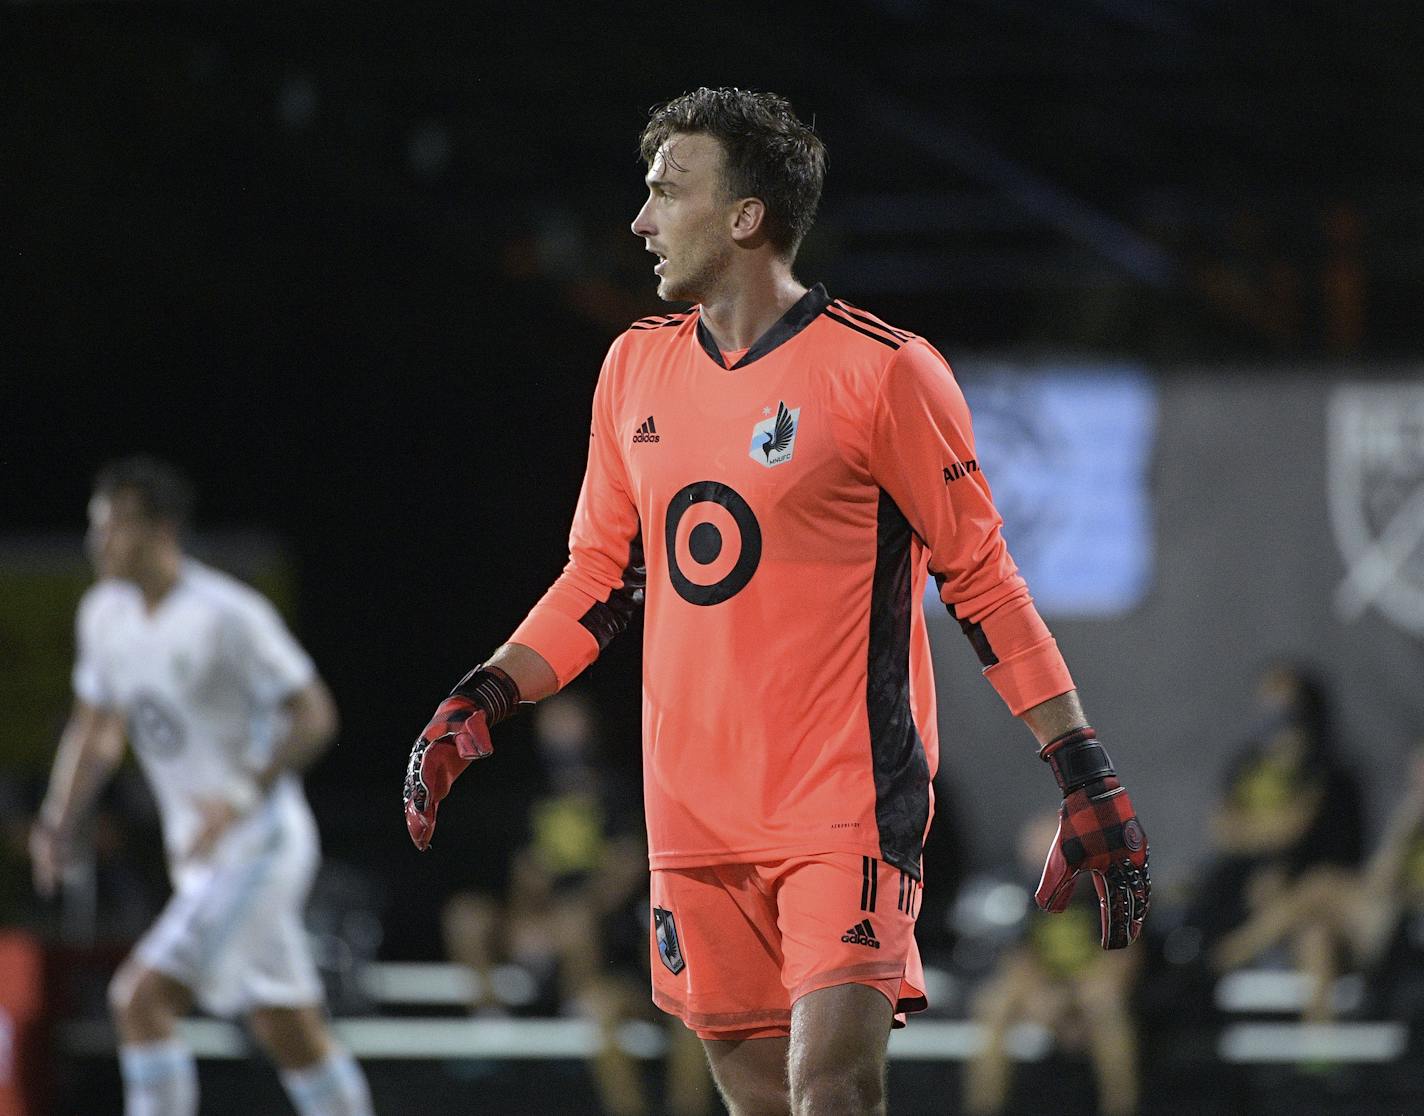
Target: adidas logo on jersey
{"points": [[647, 432], [861, 934]]}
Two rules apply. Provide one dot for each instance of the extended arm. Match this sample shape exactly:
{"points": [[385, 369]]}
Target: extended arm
{"points": [[1053, 718], [923, 456], [530, 671], [90, 748], [311, 729]]}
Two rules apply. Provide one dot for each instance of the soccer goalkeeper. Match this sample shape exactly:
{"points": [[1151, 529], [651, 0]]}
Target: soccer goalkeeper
{"points": [[774, 474]]}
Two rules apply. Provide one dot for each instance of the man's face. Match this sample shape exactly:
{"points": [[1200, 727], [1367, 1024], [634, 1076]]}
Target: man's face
{"points": [[687, 218], [121, 538]]}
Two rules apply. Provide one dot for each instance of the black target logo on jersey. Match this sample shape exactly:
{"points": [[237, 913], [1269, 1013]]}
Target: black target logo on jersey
{"points": [[713, 543], [155, 729]]}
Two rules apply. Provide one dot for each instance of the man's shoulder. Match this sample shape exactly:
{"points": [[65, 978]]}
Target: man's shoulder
{"points": [[222, 593], [105, 599], [662, 323], [646, 342], [651, 334], [861, 327]]}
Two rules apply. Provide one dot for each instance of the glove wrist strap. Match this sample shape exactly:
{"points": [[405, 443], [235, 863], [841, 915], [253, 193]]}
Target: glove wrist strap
{"points": [[1076, 758], [490, 689]]}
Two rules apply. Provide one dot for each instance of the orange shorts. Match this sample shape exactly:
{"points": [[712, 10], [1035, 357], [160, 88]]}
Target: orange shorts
{"points": [[734, 946]]}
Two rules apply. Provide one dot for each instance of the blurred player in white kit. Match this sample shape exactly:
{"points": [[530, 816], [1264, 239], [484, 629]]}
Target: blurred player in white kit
{"points": [[224, 709]]}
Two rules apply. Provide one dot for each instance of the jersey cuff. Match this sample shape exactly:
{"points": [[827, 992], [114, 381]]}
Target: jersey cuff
{"points": [[293, 684], [1030, 677], [561, 641], [91, 694]]}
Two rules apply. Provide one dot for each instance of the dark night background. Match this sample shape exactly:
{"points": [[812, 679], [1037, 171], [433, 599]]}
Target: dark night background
{"points": [[355, 268]]}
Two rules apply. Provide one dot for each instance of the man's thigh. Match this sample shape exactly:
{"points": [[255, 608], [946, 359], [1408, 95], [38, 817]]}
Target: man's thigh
{"points": [[751, 1074], [236, 936], [836, 1060]]}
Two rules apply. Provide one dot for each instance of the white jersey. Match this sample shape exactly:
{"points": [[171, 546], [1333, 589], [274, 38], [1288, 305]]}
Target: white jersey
{"points": [[201, 681]]}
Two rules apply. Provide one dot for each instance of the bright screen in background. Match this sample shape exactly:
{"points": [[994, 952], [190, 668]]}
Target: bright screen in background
{"points": [[1067, 451]]}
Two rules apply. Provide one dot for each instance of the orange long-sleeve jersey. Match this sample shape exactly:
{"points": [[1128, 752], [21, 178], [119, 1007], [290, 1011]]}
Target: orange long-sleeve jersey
{"points": [[779, 511]]}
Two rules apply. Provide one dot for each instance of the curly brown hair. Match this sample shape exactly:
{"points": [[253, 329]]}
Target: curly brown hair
{"points": [[770, 153]]}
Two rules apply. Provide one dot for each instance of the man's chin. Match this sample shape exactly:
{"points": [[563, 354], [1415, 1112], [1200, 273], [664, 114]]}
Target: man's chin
{"points": [[669, 290]]}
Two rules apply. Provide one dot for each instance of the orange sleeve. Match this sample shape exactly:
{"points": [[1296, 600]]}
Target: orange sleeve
{"points": [[602, 584], [922, 454]]}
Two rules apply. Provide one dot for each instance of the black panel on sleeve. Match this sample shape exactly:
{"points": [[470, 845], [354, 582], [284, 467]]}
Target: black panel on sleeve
{"points": [[974, 633], [608, 618]]}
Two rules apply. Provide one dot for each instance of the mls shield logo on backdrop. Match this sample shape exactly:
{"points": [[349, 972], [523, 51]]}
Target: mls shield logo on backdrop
{"points": [[669, 948], [1376, 495], [774, 439]]}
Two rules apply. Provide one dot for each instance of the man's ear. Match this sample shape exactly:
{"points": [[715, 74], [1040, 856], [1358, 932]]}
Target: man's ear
{"points": [[749, 221]]}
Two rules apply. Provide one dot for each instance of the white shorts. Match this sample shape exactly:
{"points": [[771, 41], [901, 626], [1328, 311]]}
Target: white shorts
{"points": [[233, 933]]}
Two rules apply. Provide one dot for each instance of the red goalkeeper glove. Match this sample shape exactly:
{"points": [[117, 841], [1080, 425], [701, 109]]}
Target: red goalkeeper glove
{"points": [[1098, 832], [456, 735]]}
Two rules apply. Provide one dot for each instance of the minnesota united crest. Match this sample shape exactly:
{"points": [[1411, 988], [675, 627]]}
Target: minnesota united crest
{"points": [[669, 948], [774, 439]]}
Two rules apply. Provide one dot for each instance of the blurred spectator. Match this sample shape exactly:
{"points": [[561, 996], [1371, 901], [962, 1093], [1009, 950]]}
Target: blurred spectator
{"points": [[1332, 916], [575, 918], [1291, 803], [1060, 978]]}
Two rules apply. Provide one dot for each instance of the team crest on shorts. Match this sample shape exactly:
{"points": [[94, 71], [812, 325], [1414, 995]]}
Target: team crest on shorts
{"points": [[669, 948], [774, 439]]}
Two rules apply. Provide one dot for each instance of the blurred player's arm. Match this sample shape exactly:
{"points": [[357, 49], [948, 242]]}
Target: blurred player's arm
{"points": [[312, 724], [922, 454], [90, 748], [588, 605]]}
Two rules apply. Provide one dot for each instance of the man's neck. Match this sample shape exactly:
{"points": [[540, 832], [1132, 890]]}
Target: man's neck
{"points": [[158, 580], [747, 308]]}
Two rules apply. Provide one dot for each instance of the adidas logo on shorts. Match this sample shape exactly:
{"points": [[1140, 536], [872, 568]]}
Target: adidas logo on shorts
{"points": [[647, 432], [861, 934]]}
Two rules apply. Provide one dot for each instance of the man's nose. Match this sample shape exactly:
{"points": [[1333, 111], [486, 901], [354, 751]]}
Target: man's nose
{"points": [[642, 225]]}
